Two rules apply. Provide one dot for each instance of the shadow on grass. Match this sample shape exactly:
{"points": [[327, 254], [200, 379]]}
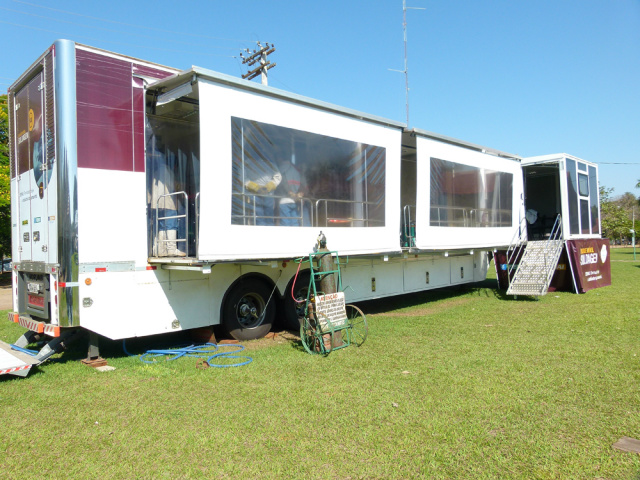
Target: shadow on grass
{"points": [[112, 349], [486, 288]]}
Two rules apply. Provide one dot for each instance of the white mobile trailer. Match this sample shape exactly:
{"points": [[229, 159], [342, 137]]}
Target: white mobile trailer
{"points": [[561, 184], [142, 200]]}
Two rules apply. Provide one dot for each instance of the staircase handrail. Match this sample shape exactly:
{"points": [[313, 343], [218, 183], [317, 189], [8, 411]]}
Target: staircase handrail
{"points": [[555, 236], [518, 242]]}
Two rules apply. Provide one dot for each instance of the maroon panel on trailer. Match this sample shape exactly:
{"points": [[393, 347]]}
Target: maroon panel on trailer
{"points": [[591, 262], [105, 120], [110, 111]]}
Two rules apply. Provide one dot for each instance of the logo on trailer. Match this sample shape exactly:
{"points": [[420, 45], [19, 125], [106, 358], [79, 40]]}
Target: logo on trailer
{"points": [[603, 253]]}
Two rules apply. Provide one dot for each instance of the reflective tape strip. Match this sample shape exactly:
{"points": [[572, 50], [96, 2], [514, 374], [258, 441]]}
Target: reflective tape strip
{"points": [[32, 325], [14, 369], [52, 330], [38, 327]]}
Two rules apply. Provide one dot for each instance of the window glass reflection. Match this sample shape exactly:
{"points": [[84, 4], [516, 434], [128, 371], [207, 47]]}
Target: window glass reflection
{"points": [[287, 177], [466, 196]]}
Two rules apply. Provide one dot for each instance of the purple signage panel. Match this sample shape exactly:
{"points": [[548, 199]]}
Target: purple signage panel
{"points": [[591, 262]]}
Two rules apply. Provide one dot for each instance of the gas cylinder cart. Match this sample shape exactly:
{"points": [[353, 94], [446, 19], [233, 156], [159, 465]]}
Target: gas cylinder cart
{"points": [[328, 324]]}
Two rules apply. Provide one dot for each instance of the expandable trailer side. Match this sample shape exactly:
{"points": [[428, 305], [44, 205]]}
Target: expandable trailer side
{"points": [[91, 245]]}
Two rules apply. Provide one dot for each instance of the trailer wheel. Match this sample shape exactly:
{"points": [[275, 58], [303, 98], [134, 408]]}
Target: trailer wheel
{"points": [[294, 311], [247, 313]]}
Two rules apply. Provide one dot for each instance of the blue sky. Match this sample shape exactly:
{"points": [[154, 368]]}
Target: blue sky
{"points": [[526, 77]]}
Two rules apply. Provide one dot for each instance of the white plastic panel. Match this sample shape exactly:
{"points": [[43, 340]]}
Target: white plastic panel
{"points": [[430, 237], [112, 224], [220, 240]]}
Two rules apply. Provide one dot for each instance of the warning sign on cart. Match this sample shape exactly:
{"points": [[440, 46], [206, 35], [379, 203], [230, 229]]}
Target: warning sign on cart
{"points": [[331, 308]]}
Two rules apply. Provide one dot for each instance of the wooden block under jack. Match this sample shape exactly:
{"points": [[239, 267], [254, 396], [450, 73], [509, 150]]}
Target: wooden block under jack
{"points": [[628, 444], [203, 334], [94, 362]]}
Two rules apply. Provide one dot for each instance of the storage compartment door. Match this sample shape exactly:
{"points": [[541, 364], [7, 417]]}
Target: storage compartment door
{"points": [[34, 173]]}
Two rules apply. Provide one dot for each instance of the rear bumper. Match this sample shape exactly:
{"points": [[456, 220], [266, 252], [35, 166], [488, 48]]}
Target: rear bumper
{"points": [[34, 325]]}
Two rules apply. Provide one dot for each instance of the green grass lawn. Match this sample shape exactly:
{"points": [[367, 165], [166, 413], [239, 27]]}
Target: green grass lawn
{"points": [[454, 384]]}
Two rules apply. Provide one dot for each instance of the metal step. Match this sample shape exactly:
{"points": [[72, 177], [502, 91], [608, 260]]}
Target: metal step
{"points": [[536, 268]]}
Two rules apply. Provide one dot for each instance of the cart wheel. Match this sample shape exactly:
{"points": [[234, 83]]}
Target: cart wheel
{"points": [[246, 314], [293, 311], [358, 329], [312, 339]]}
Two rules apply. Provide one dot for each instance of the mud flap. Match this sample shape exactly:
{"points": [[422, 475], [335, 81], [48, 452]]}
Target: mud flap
{"points": [[15, 362]]}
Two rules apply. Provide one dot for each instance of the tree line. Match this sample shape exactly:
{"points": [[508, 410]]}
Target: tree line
{"points": [[618, 213], [5, 180]]}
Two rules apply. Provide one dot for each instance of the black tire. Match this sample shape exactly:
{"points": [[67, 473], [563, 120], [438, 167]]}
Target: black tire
{"points": [[293, 311], [247, 313]]}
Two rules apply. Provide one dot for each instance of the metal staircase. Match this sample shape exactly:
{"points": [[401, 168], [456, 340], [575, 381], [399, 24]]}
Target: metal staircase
{"points": [[532, 274]]}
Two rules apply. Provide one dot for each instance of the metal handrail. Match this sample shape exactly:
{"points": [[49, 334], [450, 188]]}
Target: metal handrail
{"points": [[556, 234], [185, 216], [251, 200], [406, 225], [365, 219], [470, 217], [197, 207], [517, 244]]}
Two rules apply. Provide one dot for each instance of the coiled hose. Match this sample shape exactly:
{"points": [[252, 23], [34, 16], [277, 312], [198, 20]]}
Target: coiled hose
{"points": [[208, 351]]}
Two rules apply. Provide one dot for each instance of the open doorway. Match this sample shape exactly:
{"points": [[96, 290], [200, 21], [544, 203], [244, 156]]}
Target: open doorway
{"points": [[172, 138], [542, 198]]}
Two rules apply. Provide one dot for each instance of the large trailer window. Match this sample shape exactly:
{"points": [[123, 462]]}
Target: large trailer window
{"points": [[466, 196], [286, 177]]}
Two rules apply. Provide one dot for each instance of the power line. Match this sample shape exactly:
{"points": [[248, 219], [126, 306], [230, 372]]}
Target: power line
{"points": [[115, 42], [111, 30], [125, 24]]}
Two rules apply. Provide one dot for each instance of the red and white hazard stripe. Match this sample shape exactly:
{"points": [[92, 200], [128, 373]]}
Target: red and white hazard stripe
{"points": [[14, 369], [34, 325]]}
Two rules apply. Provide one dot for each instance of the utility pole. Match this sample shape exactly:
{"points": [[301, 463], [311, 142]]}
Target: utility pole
{"points": [[258, 55]]}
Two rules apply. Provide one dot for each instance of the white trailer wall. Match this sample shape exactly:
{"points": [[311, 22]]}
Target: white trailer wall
{"points": [[219, 239], [474, 232]]}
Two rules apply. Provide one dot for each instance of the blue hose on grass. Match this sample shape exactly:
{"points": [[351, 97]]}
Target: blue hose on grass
{"points": [[205, 350], [33, 353]]}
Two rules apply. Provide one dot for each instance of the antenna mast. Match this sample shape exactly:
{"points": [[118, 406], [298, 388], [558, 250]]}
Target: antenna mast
{"points": [[406, 67]]}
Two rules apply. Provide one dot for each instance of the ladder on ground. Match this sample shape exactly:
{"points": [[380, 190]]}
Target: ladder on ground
{"points": [[538, 261]]}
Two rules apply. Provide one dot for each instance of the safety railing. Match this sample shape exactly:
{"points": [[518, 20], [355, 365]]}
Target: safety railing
{"points": [[163, 198], [359, 215], [197, 228], [251, 203], [447, 216], [408, 226], [516, 246], [257, 209], [556, 235]]}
